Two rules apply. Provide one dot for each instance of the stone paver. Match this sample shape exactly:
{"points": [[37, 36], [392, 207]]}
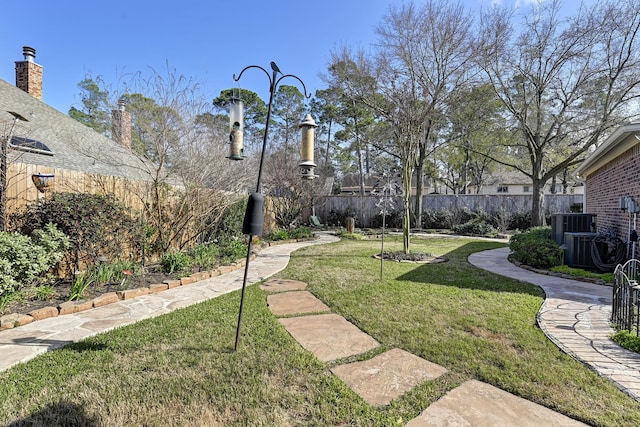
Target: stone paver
{"points": [[329, 336], [476, 404], [283, 285], [575, 316], [295, 303], [387, 376]]}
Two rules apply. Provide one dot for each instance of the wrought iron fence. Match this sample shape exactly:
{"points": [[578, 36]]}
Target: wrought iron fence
{"points": [[626, 297]]}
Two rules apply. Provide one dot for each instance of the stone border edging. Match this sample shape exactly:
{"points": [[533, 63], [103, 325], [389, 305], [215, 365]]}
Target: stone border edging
{"points": [[13, 320]]}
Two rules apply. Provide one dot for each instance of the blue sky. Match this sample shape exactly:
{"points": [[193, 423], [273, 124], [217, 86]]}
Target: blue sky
{"points": [[208, 40]]}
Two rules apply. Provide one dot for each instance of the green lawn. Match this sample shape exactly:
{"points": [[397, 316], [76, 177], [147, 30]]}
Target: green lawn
{"points": [[180, 368]]}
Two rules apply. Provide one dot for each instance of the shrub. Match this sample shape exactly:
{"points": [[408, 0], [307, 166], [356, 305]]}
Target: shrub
{"points": [[482, 215], [300, 233], [205, 255], [95, 224], [536, 248], [520, 221], [294, 233], [175, 262], [438, 219], [229, 224], [393, 219], [337, 217], [22, 258], [277, 235], [501, 219], [476, 227], [231, 250], [519, 240], [461, 216]]}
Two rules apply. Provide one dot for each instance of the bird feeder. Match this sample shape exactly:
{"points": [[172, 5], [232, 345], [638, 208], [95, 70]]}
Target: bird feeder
{"points": [[307, 164], [236, 129]]}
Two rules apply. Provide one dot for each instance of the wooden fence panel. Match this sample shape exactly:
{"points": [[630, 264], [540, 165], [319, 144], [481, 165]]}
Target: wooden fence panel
{"points": [[364, 207], [21, 191]]}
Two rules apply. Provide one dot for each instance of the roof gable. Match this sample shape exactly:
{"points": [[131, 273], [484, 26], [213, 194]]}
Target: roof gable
{"points": [[622, 139], [74, 145]]}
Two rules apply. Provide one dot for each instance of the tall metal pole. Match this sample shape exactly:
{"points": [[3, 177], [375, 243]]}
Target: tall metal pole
{"points": [[273, 84]]}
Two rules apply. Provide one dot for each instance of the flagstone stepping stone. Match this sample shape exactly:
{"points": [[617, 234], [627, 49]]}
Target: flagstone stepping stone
{"points": [[475, 403], [292, 303], [328, 336], [283, 285], [388, 375]]}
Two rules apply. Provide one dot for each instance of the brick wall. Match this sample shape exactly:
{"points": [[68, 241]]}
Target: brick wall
{"points": [[605, 187]]}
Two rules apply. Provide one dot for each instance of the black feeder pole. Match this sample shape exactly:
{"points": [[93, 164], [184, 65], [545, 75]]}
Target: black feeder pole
{"points": [[254, 216]]}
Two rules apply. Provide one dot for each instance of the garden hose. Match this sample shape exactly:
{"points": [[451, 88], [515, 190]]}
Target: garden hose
{"points": [[604, 256]]}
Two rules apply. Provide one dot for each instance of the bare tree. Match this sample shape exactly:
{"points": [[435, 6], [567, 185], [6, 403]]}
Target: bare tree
{"points": [[565, 83], [190, 182], [395, 101], [427, 49]]}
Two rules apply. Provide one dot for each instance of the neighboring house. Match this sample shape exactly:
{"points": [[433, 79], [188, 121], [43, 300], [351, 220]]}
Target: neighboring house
{"points": [[514, 183], [611, 173], [50, 142], [373, 183]]}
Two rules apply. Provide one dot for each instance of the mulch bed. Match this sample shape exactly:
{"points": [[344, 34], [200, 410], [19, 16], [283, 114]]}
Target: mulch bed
{"points": [[63, 287]]}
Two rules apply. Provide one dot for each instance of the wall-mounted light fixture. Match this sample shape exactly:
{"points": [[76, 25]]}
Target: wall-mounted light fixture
{"points": [[42, 181]]}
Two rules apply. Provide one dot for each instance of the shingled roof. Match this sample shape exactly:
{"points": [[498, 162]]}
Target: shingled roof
{"points": [[74, 146]]}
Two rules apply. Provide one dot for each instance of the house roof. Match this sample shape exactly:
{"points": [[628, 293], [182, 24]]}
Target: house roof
{"points": [[74, 145], [513, 177], [622, 139]]}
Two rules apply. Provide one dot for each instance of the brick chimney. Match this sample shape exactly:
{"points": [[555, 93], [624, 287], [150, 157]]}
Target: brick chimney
{"points": [[29, 74], [121, 125]]}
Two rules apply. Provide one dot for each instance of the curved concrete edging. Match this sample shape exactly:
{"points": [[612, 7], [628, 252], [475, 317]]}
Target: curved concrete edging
{"points": [[575, 316]]}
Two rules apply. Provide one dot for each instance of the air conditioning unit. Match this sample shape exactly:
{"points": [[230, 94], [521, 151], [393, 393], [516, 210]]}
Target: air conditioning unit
{"points": [[578, 249], [571, 223]]}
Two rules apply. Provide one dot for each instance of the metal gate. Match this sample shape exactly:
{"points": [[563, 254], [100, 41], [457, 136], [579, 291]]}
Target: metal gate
{"points": [[626, 293]]}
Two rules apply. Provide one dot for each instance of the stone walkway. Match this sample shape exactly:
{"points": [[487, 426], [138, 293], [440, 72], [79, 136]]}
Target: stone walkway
{"points": [[575, 316], [387, 376]]}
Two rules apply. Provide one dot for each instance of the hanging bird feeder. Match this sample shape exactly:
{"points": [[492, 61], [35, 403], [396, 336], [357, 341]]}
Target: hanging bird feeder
{"points": [[307, 164], [236, 129]]}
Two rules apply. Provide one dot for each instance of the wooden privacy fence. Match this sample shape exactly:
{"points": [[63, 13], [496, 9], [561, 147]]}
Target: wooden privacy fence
{"points": [[179, 213], [365, 206], [21, 190]]}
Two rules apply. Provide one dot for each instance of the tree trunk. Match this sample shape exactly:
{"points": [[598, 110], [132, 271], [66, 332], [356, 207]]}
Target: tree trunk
{"points": [[326, 154], [419, 189], [406, 218], [419, 186], [361, 170], [465, 169], [537, 207]]}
